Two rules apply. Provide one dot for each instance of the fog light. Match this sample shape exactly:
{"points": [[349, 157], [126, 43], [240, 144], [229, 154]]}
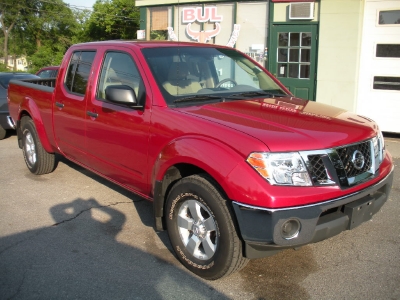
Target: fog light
{"points": [[290, 229]]}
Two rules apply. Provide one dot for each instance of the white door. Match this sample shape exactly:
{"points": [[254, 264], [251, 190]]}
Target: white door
{"points": [[379, 78]]}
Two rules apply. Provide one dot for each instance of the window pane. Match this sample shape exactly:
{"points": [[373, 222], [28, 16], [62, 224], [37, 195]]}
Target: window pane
{"points": [[70, 75], [294, 39], [293, 70], [76, 55], [81, 78], [386, 83], [305, 55], [71, 70], [389, 17], [79, 70], [388, 50], [282, 70], [45, 74], [283, 39], [82, 72], [282, 55], [158, 18], [294, 55], [304, 71], [87, 57], [306, 39], [120, 69]]}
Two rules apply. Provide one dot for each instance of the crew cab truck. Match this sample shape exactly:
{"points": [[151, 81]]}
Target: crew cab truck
{"points": [[236, 166]]}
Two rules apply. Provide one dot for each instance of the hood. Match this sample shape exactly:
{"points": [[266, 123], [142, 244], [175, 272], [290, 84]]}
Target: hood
{"points": [[288, 123]]}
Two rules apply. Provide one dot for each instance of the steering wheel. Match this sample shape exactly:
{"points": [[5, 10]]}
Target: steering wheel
{"points": [[226, 80]]}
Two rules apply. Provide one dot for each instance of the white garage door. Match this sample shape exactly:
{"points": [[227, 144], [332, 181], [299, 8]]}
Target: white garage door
{"points": [[379, 80]]}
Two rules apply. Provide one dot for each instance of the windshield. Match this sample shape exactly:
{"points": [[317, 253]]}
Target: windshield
{"points": [[198, 74]]}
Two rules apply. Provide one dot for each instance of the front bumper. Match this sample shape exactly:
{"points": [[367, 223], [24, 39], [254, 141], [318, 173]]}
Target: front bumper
{"points": [[261, 228]]}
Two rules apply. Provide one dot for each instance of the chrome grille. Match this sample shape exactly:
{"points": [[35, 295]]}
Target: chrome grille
{"points": [[318, 170], [338, 166], [346, 155]]}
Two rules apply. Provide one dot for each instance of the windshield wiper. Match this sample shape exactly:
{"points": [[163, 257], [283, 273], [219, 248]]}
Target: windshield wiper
{"points": [[255, 94], [198, 98]]}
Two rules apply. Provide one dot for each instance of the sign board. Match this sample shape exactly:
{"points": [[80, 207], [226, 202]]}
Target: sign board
{"points": [[141, 34]]}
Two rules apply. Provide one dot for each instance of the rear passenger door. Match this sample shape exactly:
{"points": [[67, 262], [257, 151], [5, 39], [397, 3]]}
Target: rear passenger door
{"points": [[117, 135], [69, 112]]}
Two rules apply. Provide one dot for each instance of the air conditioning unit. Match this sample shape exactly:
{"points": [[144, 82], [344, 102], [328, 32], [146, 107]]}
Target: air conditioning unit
{"points": [[301, 11]]}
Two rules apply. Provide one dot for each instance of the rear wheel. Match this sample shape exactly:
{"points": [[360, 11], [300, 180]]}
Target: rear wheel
{"points": [[201, 228], [36, 158], [3, 133]]}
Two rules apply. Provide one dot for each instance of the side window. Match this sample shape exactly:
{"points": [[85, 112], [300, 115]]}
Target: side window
{"points": [[78, 71], [120, 69]]}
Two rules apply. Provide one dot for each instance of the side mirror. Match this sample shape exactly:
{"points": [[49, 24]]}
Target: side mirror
{"points": [[121, 94]]}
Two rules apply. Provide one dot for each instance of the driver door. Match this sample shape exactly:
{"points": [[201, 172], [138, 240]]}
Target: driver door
{"points": [[117, 135]]}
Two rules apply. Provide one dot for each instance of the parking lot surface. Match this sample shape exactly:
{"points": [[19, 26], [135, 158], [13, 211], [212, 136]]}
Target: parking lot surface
{"points": [[73, 235]]}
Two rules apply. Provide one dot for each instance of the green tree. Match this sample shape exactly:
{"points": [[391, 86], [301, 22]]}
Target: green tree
{"points": [[10, 13], [113, 19], [40, 29], [45, 56], [49, 22], [49, 28], [82, 17]]}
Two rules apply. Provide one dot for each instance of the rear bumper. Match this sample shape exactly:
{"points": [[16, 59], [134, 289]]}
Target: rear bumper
{"points": [[5, 121], [261, 228]]}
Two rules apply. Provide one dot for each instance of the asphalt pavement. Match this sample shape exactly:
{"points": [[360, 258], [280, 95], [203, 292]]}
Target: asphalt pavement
{"points": [[73, 235]]}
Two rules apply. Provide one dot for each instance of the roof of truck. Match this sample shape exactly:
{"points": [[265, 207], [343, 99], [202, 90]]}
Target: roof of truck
{"points": [[148, 44]]}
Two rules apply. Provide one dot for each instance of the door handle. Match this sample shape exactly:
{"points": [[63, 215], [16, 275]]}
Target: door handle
{"points": [[92, 114], [59, 104]]}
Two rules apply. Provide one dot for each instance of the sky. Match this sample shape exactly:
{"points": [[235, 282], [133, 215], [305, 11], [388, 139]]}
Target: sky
{"points": [[81, 3]]}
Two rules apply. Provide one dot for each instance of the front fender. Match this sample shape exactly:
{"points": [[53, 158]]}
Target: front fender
{"points": [[29, 107], [215, 158]]}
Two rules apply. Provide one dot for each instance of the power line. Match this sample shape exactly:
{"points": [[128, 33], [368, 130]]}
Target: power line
{"points": [[78, 7], [94, 13]]}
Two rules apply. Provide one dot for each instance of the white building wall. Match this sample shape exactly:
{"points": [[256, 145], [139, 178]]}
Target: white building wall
{"points": [[381, 105], [339, 46]]}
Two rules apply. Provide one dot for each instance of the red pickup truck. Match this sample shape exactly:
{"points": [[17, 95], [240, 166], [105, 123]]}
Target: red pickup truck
{"points": [[235, 165]]}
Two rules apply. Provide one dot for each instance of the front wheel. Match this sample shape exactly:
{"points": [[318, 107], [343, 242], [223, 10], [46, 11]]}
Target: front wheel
{"points": [[201, 228], [36, 158]]}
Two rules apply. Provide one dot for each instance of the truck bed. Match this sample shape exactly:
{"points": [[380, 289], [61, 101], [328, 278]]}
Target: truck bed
{"points": [[37, 94]]}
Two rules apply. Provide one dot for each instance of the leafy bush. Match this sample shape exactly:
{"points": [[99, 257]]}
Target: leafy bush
{"points": [[3, 68]]}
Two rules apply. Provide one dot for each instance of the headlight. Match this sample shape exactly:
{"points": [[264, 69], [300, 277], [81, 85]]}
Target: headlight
{"points": [[281, 168], [382, 144], [379, 149]]}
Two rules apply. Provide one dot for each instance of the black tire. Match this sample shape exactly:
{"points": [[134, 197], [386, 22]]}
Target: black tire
{"points": [[36, 158], [201, 228], [3, 133]]}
